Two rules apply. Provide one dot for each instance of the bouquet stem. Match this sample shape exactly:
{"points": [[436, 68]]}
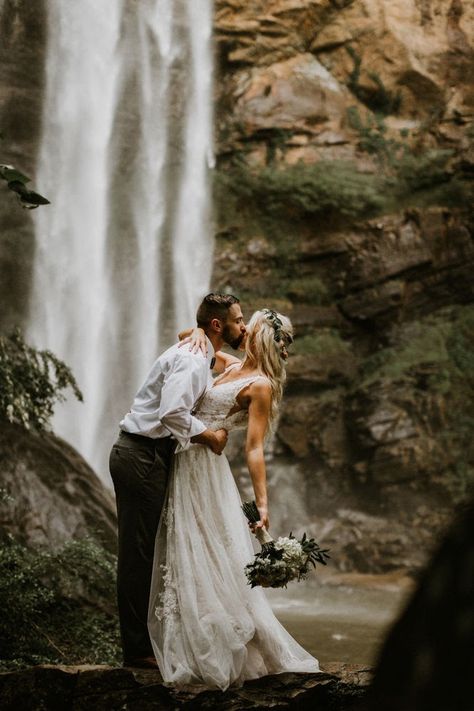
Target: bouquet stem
{"points": [[253, 516], [262, 536]]}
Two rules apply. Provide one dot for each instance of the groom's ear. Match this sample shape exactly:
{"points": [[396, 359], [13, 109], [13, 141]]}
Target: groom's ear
{"points": [[216, 325]]}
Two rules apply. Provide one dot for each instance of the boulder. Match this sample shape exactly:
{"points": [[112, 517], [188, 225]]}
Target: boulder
{"points": [[49, 494]]}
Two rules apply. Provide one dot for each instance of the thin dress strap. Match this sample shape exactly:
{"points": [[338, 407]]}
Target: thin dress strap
{"points": [[245, 382]]}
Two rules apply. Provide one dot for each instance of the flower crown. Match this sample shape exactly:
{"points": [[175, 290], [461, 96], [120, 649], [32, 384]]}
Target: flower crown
{"points": [[273, 318]]}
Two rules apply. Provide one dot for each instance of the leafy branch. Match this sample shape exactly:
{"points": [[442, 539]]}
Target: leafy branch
{"points": [[16, 181], [31, 382]]}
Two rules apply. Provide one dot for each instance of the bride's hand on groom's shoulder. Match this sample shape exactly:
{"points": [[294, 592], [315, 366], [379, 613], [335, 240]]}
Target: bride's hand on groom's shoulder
{"points": [[195, 339]]}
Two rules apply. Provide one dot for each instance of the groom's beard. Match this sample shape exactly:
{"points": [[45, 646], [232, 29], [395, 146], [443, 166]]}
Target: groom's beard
{"points": [[232, 342]]}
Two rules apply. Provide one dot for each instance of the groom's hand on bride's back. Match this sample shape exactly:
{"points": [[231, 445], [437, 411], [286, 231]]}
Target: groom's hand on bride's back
{"points": [[221, 441], [214, 440]]}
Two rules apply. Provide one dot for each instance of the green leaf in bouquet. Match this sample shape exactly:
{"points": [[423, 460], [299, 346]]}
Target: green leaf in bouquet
{"points": [[315, 553]]}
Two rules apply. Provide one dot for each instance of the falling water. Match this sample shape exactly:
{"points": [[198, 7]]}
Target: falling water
{"points": [[124, 252]]}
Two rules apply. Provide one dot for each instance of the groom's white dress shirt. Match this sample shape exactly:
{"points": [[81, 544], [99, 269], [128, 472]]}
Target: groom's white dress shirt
{"points": [[172, 388]]}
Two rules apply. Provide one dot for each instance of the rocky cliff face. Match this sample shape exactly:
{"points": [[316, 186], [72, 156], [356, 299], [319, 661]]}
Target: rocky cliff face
{"points": [[296, 66], [345, 159]]}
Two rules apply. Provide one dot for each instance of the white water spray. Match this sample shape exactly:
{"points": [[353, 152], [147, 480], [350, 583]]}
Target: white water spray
{"points": [[124, 252]]}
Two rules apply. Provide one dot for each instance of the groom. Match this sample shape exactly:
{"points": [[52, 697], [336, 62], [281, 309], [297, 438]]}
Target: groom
{"points": [[159, 423]]}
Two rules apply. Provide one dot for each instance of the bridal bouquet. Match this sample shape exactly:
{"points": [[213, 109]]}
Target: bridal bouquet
{"points": [[281, 561]]}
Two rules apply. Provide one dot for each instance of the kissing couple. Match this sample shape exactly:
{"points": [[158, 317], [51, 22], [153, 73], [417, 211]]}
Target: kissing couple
{"points": [[183, 598]]}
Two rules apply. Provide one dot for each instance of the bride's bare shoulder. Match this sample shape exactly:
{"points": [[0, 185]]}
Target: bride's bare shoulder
{"points": [[259, 390], [261, 385]]}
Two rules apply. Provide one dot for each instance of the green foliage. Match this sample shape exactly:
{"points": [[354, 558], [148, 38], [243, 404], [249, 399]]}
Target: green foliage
{"points": [[31, 381], [309, 289], [323, 343], [376, 97], [57, 607], [321, 188], [412, 171], [276, 140], [354, 76], [458, 435], [421, 343], [5, 497], [382, 100], [460, 345], [373, 136], [424, 171], [337, 188], [278, 195], [436, 355]]}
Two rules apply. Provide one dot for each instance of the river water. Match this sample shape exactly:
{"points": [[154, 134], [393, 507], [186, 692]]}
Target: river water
{"points": [[341, 622]]}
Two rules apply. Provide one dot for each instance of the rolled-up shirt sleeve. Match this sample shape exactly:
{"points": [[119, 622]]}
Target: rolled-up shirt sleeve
{"points": [[182, 387]]}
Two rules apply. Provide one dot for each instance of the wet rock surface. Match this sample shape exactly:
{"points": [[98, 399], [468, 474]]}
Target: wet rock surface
{"points": [[106, 688]]}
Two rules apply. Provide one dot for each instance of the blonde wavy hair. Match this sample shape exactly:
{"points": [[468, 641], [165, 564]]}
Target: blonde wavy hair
{"points": [[268, 334]]}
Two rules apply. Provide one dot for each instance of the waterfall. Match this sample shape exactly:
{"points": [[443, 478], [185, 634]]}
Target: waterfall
{"points": [[124, 252]]}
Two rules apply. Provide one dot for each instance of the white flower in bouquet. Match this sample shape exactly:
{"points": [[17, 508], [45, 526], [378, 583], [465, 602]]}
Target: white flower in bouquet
{"points": [[281, 561]]}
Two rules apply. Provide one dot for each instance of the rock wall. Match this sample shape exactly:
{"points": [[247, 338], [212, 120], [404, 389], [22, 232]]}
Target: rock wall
{"points": [[311, 95], [296, 65]]}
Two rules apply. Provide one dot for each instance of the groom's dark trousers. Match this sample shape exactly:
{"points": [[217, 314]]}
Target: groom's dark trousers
{"points": [[139, 467]]}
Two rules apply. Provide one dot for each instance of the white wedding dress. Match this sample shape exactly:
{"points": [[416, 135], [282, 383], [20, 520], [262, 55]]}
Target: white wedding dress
{"points": [[206, 624]]}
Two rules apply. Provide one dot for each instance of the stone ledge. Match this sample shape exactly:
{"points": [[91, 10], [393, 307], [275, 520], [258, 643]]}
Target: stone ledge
{"points": [[102, 688]]}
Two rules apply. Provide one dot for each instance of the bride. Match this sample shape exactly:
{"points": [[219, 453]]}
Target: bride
{"points": [[206, 624]]}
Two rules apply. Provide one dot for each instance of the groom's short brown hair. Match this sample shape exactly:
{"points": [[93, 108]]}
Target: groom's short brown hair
{"points": [[214, 306]]}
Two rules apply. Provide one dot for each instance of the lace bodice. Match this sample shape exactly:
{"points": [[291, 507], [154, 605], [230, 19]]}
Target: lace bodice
{"points": [[218, 402]]}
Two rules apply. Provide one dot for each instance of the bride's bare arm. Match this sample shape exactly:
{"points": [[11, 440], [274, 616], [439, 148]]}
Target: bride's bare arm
{"points": [[185, 334], [223, 360], [196, 338], [260, 396]]}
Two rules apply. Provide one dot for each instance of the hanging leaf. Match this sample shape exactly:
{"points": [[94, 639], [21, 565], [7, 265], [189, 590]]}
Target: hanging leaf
{"points": [[28, 198], [9, 173]]}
